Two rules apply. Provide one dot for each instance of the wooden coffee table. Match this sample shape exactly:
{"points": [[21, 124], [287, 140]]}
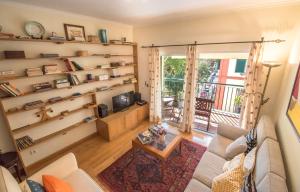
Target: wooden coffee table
{"points": [[161, 151]]}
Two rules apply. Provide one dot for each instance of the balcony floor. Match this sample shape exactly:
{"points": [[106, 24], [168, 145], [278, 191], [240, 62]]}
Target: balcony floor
{"points": [[217, 117]]}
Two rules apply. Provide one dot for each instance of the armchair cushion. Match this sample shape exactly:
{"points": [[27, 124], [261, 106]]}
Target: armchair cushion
{"points": [[236, 147], [230, 132], [8, 182], [54, 184], [218, 145]]}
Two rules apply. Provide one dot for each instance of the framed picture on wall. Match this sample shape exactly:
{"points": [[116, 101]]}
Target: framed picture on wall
{"points": [[293, 111], [74, 32]]}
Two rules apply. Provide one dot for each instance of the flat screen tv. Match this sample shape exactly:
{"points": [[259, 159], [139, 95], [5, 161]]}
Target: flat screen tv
{"points": [[123, 101]]}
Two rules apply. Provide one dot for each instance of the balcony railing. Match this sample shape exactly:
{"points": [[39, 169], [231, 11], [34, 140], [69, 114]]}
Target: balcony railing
{"points": [[226, 98]]}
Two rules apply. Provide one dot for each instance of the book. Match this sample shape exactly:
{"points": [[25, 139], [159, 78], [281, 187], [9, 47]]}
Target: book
{"points": [[33, 105], [30, 72], [62, 85], [49, 55], [77, 66], [10, 89], [69, 65], [144, 139], [24, 142]]}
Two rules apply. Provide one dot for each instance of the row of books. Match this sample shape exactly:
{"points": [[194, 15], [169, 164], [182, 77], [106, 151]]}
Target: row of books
{"points": [[61, 83], [39, 87], [37, 71], [73, 79], [9, 73], [51, 69], [24, 142], [72, 65], [47, 69], [9, 90], [34, 105]]}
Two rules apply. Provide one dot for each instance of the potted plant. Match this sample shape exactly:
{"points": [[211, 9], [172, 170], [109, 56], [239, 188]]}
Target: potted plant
{"points": [[238, 103]]}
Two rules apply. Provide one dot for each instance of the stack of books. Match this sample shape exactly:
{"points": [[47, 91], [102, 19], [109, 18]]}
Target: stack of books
{"points": [[34, 105], [145, 137], [8, 90], [56, 38], [73, 79], [61, 83], [72, 65], [36, 71], [51, 69], [39, 87], [24, 142], [5, 74]]}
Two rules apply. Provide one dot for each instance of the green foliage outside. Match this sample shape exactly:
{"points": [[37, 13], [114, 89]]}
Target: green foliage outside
{"points": [[174, 69]]}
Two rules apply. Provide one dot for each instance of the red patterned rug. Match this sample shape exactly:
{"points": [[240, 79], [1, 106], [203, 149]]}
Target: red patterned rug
{"points": [[143, 174]]}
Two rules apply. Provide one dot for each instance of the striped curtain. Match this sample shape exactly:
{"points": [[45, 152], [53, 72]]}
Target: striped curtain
{"points": [[253, 87], [155, 85], [190, 80]]}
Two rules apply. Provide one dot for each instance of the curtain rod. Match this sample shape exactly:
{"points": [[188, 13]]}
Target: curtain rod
{"points": [[217, 43]]}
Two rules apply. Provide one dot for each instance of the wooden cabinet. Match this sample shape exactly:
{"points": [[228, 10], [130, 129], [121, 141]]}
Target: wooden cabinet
{"points": [[118, 123]]}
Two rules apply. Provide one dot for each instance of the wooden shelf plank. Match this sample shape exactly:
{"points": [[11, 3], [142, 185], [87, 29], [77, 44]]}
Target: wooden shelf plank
{"points": [[73, 56], [52, 135], [65, 41], [60, 116], [70, 87], [61, 73], [68, 98]]}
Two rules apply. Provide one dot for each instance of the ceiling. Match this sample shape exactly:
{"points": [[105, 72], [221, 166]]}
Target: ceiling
{"points": [[141, 12]]}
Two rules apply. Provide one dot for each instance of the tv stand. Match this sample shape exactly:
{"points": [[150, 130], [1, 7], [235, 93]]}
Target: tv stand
{"points": [[116, 124], [125, 109]]}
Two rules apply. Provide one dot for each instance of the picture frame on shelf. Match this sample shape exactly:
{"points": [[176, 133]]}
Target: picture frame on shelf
{"points": [[293, 109], [74, 32]]}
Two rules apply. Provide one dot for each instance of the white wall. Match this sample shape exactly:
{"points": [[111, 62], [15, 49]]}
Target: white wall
{"points": [[271, 23], [12, 18]]}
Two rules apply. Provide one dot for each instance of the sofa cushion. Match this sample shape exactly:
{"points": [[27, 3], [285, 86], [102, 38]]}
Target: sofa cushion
{"points": [[209, 167], [54, 184], [268, 160], [230, 180], [8, 182], [272, 183], [236, 147], [196, 186], [265, 129], [218, 145], [81, 181]]}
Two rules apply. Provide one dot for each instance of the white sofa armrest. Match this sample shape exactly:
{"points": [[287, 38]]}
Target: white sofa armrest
{"points": [[230, 132], [60, 168]]}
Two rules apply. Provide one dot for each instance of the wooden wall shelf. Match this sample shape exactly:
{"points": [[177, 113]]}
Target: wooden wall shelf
{"points": [[70, 87], [61, 73], [64, 41], [30, 162], [66, 57], [68, 98], [63, 131], [57, 117]]}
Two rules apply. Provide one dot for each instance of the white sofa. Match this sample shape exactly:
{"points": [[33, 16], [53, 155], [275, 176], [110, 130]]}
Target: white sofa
{"points": [[65, 168], [269, 171]]}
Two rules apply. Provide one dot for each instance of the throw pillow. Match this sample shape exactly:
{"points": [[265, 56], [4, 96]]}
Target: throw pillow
{"points": [[53, 184], [32, 186], [233, 163], [236, 147], [249, 162], [229, 181]]}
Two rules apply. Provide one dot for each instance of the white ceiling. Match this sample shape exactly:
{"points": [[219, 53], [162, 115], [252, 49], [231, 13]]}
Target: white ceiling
{"points": [[139, 12]]}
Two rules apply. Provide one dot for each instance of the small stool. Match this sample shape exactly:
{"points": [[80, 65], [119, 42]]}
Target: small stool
{"points": [[11, 160]]}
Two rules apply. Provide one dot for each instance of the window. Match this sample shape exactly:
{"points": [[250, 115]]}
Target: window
{"points": [[240, 65]]}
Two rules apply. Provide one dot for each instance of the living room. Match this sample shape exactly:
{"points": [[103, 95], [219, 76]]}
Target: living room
{"points": [[95, 96]]}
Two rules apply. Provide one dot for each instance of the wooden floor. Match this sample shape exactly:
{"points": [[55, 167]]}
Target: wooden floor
{"points": [[96, 154]]}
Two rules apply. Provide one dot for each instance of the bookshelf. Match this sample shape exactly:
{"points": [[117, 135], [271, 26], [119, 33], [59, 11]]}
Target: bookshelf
{"points": [[12, 107]]}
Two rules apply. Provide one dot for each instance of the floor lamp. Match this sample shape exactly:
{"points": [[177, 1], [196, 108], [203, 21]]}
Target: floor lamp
{"points": [[270, 65]]}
